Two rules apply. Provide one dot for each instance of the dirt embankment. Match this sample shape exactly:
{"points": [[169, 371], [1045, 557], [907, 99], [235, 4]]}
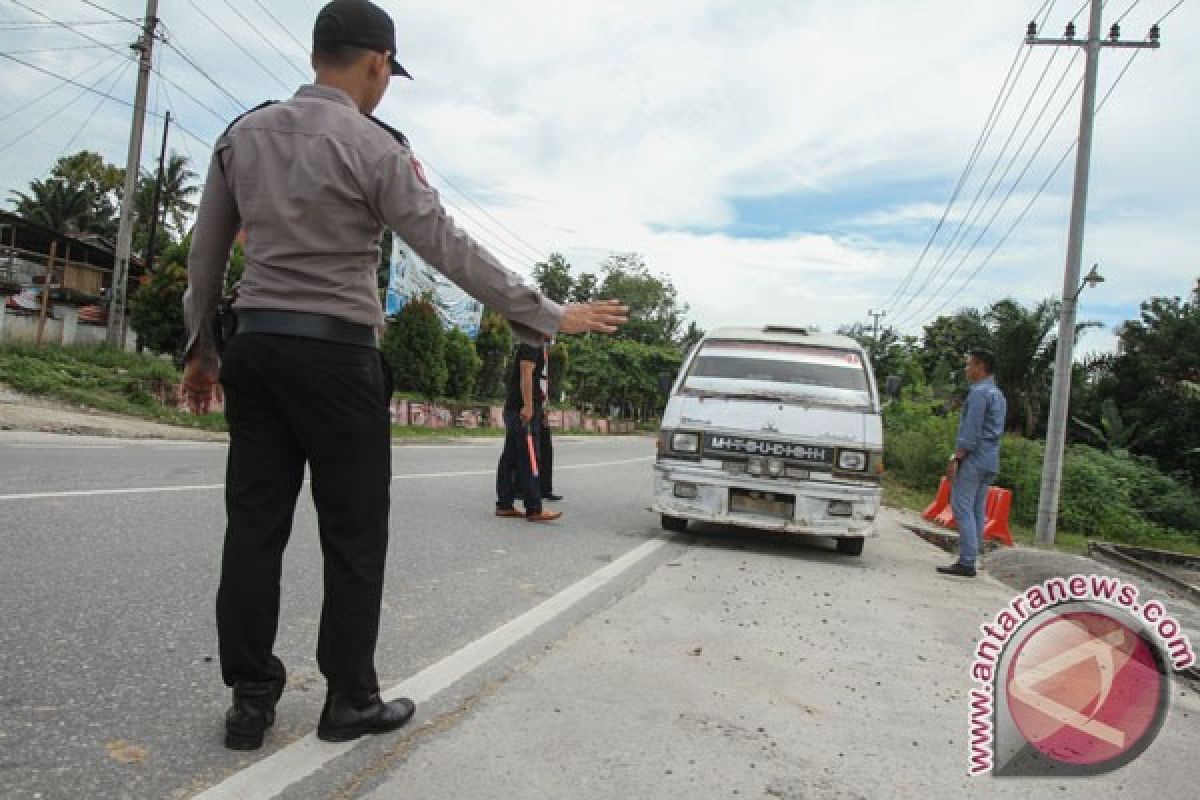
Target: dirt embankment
{"points": [[22, 412]]}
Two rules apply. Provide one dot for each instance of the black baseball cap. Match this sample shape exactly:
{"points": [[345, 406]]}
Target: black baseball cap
{"points": [[358, 23]]}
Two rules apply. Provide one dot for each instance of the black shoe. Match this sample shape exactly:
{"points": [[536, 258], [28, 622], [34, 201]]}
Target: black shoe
{"points": [[958, 569], [342, 720], [552, 497], [252, 713]]}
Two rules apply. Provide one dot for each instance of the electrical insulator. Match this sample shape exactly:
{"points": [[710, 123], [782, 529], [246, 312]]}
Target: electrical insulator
{"points": [[1154, 33], [1070, 30], [1031, 31], [1114, 32]]}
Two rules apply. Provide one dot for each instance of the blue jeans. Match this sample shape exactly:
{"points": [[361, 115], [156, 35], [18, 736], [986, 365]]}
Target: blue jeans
{"points": [[514, 473], [968, 499]]}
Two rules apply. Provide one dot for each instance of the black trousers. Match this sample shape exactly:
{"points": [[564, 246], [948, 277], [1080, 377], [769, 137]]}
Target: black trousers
{"points": [[514, 473], [291, 401], [546, 461]]}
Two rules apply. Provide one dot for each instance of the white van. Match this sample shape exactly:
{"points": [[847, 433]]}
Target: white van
{"points": [[773, 428]]}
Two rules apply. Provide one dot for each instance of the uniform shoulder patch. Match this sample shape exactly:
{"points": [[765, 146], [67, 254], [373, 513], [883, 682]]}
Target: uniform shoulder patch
{"points": [[395, 134], [245, 114]]}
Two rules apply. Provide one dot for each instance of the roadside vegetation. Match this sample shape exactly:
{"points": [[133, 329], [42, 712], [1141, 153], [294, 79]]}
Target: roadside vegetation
{"points": [[1131, 471], [101, 379]]}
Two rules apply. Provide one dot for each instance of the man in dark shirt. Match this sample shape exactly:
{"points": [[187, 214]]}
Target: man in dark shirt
{"points": [[522, 422]]}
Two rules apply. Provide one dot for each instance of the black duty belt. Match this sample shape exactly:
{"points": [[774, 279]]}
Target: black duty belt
{"points": [[312, 326]]}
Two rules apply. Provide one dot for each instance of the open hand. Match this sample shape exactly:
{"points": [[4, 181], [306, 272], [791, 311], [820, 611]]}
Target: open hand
{"points": [[602, 316]]}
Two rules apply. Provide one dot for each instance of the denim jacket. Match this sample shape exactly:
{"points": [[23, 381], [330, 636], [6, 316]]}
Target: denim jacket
{"points": [[982, 424]]}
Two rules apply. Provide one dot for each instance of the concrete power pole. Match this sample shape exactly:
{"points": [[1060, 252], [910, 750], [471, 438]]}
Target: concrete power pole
{"points": [[116, 306], [876, 315], [1047, 513]]}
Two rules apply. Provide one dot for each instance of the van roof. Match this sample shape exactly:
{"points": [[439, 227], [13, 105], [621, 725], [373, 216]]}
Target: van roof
{"points": [[786, 334]]}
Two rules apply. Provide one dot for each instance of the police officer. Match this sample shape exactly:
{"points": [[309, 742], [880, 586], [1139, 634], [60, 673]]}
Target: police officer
{"points": [[312, 181]]}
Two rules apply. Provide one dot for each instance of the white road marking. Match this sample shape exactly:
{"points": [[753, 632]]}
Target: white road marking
{"points": [[212, 487], [275, 773], [64, 446]]}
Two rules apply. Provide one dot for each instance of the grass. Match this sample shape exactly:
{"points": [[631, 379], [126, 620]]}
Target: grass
{"points": [[128, 383], [899, 495], [99, 378]]}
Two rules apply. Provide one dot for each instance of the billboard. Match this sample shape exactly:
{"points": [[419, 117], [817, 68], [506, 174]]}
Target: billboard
{"points": [[411, 276]]}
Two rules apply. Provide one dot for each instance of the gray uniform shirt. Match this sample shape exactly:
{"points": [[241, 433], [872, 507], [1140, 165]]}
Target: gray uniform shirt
{"points": [[312, 181]]}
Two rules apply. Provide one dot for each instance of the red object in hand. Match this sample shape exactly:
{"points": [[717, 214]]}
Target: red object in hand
{"points": [[532, 453]]}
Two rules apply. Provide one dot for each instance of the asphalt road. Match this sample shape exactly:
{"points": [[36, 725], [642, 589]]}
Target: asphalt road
{"points": [[109, 685]]}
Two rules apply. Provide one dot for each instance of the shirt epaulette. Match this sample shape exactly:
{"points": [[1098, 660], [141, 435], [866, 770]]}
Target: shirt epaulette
{"points": [[239, 117], [397, 135]]}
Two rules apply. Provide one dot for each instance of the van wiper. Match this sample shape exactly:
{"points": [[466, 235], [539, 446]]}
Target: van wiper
{"points": [[765, 396]]}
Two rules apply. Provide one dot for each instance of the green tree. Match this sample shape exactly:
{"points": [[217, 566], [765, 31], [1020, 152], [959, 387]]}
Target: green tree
{"points": [[1153, 378], [57, 205], [584, 289], [560, 363], [415, 346], [104, 182], [462, 365], [655, 313], [493, 344], [156, 309], [946, 340], [553, 277]]}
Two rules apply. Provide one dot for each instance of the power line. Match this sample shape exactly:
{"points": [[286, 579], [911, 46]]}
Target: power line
{"points": [[32, 25], [1118, 20], [303, 75], [303, 47], [1033, 200], [57, 88], [1169, 13], [1012, 190], [95, 109], [111, 13], [989, 126], [901, 302], [238, 45], [114, 49], [537, 253], [60, 49], [968, 220], [37, 125], [175, 121], [178, 49]]}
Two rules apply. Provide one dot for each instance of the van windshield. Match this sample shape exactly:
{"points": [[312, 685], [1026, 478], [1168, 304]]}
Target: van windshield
{"points": [[777, 370]]}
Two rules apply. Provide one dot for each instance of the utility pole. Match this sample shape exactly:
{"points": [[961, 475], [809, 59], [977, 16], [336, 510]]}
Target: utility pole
{"points": [[876, 315], [116, 306], [162, 161], [1056, 432]]}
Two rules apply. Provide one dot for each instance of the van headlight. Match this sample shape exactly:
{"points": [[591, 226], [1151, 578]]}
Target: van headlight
{"points": [[852, 460], [685, 442]]}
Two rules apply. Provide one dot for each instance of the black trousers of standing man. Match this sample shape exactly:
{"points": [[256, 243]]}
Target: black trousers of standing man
{"points": [[546, 461], [290, 401]]}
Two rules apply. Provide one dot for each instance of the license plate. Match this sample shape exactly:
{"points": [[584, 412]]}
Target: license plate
{"points": [[764, 504], [740, 445]]}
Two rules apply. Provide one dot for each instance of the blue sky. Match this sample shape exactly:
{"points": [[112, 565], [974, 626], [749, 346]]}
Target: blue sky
{"points": [[775, 159]]}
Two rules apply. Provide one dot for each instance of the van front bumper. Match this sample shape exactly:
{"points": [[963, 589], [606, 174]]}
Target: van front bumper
{"points": [[714, 487]]}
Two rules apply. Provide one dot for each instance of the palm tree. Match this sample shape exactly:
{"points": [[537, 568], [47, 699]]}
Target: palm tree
{"points": [[57, 205], [178, 191], [1025, 342]]}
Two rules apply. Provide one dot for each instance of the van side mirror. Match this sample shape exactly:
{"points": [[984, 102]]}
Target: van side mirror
{"points": [[665, 381], [892, 387]]}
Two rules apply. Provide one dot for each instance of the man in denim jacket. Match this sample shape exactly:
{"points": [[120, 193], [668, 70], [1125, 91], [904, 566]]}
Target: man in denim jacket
{"points": [[976, 458]]}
